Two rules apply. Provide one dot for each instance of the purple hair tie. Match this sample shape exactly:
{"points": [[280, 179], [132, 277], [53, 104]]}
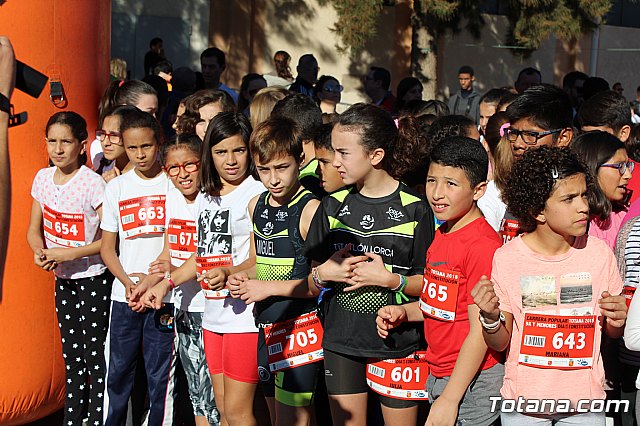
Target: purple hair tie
{"points": [[503, 128]]}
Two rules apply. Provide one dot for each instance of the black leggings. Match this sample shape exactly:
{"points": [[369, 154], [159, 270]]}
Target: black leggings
{"points": [[82, 307]]}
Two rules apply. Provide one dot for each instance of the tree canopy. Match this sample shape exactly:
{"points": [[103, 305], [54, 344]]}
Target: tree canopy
{"points": [[531, 21]]}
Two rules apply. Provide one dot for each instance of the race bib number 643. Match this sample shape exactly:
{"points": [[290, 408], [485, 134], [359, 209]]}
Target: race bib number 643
{"points": [[556, 341]]}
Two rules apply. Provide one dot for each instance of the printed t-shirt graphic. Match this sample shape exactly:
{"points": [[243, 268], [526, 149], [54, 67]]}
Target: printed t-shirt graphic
{"points": [[398, 227], [215, 246], [557, 330]]}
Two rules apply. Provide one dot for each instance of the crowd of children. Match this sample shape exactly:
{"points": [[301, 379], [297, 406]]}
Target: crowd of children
{"points": [[345, 269]]}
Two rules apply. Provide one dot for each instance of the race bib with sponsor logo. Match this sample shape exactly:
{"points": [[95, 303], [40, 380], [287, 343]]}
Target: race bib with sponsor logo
{"points": [[294, 342], [439, 296], [509, 230], [63, 229], [142, 215], [207, 263], [628, 292], [556, 341], [182, 238], [401, 378]]}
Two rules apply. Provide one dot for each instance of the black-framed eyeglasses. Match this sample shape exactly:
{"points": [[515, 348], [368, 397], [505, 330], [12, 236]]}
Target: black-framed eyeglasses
{"points": [[528, 136], [114, 137], [174, 170], [622, 166]]}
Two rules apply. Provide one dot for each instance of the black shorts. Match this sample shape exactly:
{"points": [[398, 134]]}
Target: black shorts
{"points": [[347, 374], [294, 386]]}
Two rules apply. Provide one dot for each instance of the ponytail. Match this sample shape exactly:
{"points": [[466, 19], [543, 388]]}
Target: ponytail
{"points": [[120, 92], [411, 150], [404, 146]]}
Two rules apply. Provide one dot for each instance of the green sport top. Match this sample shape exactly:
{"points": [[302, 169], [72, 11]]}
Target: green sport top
{"points": [[280, 254]]}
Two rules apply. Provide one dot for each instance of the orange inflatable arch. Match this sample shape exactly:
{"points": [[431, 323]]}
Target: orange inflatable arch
{"points": [[68, 40]]}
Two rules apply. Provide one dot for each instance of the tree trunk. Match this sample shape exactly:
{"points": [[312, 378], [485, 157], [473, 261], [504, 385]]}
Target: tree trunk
{"points": [[424, 51]]}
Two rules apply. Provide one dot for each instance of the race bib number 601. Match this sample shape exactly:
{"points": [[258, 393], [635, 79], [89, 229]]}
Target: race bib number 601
{"points": [[401, 378]]}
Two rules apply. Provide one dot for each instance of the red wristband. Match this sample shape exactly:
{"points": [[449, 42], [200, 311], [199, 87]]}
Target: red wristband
{"points": [[172, 285]]}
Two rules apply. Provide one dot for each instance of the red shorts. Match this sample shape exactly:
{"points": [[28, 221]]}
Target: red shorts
{"points": [[233, 354]]}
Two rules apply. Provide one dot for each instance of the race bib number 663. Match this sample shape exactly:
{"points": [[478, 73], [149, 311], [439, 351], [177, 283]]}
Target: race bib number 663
{"points": [[142, 215]]}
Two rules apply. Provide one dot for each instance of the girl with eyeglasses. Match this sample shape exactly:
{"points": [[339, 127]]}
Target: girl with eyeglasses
{"points": [[119, 92], [181, 162], [224, 247], [114, 158], [328, 93], [64, 234], [606, 158]]}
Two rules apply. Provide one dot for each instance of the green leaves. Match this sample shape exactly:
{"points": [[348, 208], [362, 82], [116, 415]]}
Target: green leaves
{"points": [[532, 21]]}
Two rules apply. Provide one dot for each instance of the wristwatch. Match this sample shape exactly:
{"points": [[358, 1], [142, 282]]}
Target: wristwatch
{"points": [[5, 104], [492, 325]]}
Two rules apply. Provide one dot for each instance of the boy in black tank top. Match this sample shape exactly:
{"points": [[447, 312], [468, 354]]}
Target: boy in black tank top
{"points": [[290, 337]]}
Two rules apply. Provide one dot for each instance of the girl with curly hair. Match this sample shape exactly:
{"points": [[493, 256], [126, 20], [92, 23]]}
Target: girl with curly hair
{"points": [[553, 292]]}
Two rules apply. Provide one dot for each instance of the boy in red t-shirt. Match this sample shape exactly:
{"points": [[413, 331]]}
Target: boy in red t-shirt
{"points": [[463, 373]]}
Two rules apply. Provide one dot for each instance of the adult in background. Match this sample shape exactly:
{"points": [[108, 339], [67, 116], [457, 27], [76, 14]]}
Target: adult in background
{"points": [[213, 62], [465, 102], [328, 93], [617, 87], [573, 84], [251, 85], [307, 75], [528, 77], [409, 89], [281, 75], [154, 55], [376, 86]]}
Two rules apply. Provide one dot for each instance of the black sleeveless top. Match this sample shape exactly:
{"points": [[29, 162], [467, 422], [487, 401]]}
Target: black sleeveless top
{"points": [[280, 255]]}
